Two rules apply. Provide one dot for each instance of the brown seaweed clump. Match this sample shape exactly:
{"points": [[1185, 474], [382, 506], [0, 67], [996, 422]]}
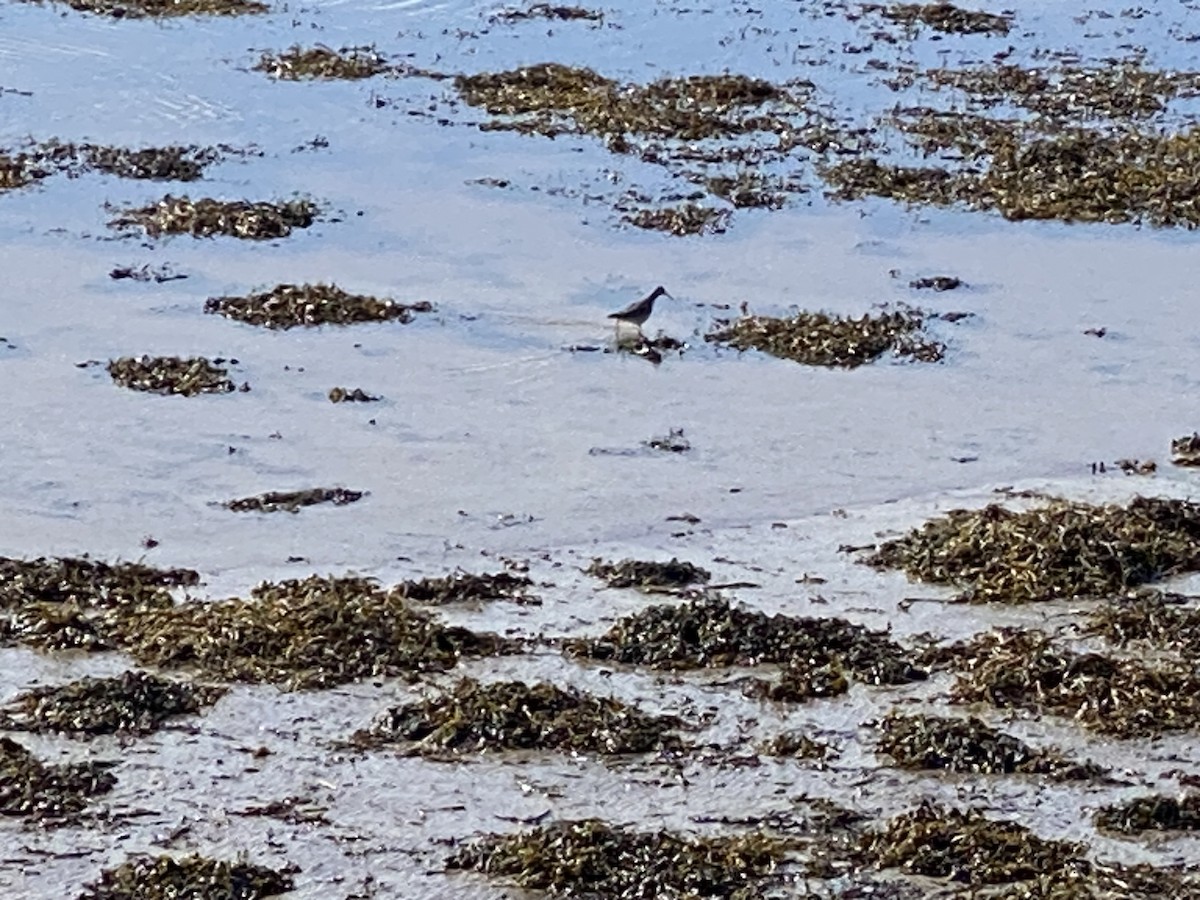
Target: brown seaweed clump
{"points": [[186, 377], [549, 11], [647, 575], [355, 395], [1167, 621], [512, 715], [966, 847], [1072, 175], [464, 587], [710, 632], [1059, 551], [684, 219], [86, 582], [192, 877], [156, 9], [54, 604], [552, 99], [35, 790], [301, 64], [969, 745], [130, 703], [291, 305], [592, 858], [170, 163], [310, 633], [1185, 451], [1151, 814], [821, 339], [245, 219], [1023, 669], [795, 745], [292, 501], [800, 682], [946, 17], [938, 283]]}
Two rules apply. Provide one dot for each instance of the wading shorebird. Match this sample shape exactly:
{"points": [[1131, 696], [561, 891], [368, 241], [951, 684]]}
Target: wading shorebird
{"points": [[637, 313]]}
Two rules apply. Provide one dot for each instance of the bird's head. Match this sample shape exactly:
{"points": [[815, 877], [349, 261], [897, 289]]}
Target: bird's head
{"points": [[660, 291]]}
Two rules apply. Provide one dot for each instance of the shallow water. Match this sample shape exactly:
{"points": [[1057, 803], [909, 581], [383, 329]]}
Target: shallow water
{"points": [[494, 437]]}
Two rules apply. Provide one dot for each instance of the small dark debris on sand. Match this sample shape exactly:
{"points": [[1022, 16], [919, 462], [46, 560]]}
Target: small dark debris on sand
{"points": [[1185, 451], [302, 634], [186, 377], [593, 858], [1060, 551], [464, 587], [512, 715], [1151, 814], [548, 11], [245, 219], [710, 632], [1024, 669], [32, 789], [1161, 620], [672, 442], [966, 847], [946, 17], [132, 703], [821, 339], [147, 272], [292, 305], [293, 501], [299, 63], [156, 9], [192, 877], [646, 575], [937, 283], [968, 745], [348, 395]]}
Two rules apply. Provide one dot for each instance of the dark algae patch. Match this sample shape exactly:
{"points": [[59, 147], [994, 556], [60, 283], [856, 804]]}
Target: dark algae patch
{"points": [[171, 375], [966, 847], [1061, 550], [206, 217], [292, 305], [946, 17], [310, 633], [131, 703], [465, 587], [1151, 814], [156, 9], [294, 501], [306, 63], [190, 877], [512, 715], [1024, 669], [710, 632], [646, 575], [794, 745], [968, 745], [821, 339], [592, 858], [29, 788]]}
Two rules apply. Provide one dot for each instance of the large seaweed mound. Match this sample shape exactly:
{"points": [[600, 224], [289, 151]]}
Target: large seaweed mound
{"points": [[1059, 551]]}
